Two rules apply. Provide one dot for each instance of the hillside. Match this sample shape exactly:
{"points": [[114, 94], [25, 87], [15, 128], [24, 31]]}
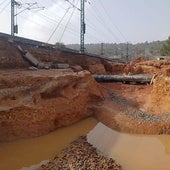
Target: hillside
{"points": [[111, 50]]}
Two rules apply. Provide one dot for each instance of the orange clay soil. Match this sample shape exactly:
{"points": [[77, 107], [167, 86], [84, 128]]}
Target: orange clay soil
{"points": [[10, 57], [141, 65], [159, 102], [33, 103], [138, 108]]}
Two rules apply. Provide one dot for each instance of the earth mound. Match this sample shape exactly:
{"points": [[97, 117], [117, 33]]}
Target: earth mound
{"points": [[34, 103]]}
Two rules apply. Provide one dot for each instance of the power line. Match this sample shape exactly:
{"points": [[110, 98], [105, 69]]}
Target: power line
{"points": [[72, 4], [103, 22], [2, 2], [102, 26], [44, 26], [106, 12], [58, 25], [68, 22], [91, 26], [73, 32], [51, 20], [4, 7]]}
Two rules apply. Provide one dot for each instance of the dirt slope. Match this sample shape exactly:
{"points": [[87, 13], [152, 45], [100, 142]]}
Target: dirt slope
{"points": [[33, 103], [160, 95], [10, 57]]}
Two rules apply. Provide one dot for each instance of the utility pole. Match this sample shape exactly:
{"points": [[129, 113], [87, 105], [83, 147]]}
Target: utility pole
{"points": [[127, 52], [14, 5], [82, 26], [12, 16], [102, 45]]}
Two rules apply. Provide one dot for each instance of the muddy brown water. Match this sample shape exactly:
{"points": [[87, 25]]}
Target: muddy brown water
{"points": [[133, 152], [27, 152]]}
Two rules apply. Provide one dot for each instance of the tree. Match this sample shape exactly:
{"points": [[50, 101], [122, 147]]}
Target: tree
{"points": [[165, 51], [60, 45]]}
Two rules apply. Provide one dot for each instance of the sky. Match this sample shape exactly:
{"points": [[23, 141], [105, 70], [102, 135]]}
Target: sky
{"points": [[107, 21]]}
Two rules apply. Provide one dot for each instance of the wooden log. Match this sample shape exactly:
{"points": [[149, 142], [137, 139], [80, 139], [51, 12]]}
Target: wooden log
{"points": [[138, 78]]}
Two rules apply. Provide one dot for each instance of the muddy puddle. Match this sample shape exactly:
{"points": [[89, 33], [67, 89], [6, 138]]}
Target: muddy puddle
{"points": [[27, 152], [133, 152]]}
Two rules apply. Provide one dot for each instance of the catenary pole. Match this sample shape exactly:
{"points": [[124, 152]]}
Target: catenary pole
{"points": [[12, 17], [82, 26]]}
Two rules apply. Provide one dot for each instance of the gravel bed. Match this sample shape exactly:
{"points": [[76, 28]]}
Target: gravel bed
{"points": [[81, 155], [133, 113]]}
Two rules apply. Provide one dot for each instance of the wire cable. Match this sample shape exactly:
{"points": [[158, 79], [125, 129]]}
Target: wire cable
{"points": [[106, 12], [3, 2], [58, 25], [4, 7], [104, 31], [103, 22], [68, 22]]}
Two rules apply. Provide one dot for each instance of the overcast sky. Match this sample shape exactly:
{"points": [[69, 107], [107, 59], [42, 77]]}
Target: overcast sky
{"points": [[106, 20]]}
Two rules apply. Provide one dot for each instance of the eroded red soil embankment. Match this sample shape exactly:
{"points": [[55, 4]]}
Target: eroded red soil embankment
{"points": [[33, 103], [11, 58], [159, 102], [141, 65], [138, 109]]}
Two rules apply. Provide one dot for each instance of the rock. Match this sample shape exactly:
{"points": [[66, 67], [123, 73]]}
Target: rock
{"points": [[81, 155]]}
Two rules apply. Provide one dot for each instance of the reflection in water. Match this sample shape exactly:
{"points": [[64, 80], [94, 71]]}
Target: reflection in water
{"points": [[133, 152], [26, 152], [165, 139], [34, 167]]}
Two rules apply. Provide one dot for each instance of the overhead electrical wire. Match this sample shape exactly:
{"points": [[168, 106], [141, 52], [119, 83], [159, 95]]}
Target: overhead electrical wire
{"points": [[73, 32], [51, 20], [68, 28], [74, 8], [2, 2], [104, 24], [58, 25], [105, 31], [5, 7], [93, 27], [106, 12]]}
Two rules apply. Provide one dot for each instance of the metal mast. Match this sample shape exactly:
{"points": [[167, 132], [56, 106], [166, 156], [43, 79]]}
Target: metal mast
{"points": [[12, 17], [14, 14], [102, 45], [82, 26], [127, 52]]}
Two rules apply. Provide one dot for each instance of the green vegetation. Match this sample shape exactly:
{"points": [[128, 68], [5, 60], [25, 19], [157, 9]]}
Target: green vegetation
{"points": [[60, 45], [165, 51]]}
